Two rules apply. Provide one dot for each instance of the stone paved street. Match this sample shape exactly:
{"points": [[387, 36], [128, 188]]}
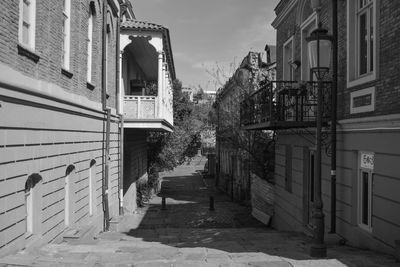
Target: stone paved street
{"points": [[188, 234]]}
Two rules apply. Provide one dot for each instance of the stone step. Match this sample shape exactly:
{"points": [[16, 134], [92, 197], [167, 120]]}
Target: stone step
{"points": [[84, 233]]}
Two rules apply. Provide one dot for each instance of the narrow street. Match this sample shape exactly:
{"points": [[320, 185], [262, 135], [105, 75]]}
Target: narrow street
{"points": [[187, 233]]}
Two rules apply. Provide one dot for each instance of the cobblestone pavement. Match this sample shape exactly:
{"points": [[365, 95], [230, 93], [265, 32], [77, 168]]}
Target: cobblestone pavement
{"points": [[188, 234]]}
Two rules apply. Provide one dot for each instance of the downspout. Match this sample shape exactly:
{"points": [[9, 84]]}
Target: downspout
{"points": [[334, 114], [107, 171], [119, 100], [106, 222], [121, 175]]}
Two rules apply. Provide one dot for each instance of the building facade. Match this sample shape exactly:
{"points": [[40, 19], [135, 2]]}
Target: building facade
{"points": [[60, 151], [236, 149], [368, 175], [147, 72]]}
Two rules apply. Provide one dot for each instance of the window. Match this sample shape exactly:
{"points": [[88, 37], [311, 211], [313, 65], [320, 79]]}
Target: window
{"points": [[288, 55], [307, 27], [89, 46], [69, 193], [109, 40], [27, 16], [365, 199], [32, 203], [92, 187], [362, 41], [66, 34], [365, 179]]}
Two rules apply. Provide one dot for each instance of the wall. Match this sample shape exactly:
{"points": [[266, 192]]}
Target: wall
{"points": [[135, 165], [51, 123], [374, 131], [291, 207]]}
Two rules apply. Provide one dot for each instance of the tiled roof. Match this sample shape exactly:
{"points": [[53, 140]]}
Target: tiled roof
{"points": [[141, 25]]}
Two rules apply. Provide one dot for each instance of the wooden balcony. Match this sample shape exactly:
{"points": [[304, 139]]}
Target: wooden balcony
{"points": [[284, 105], [147, 112]]}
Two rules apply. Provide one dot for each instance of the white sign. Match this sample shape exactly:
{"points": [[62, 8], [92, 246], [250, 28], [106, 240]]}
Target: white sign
{"points": [[367, 160]]}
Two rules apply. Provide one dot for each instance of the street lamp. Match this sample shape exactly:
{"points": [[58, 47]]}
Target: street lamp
{"points": [[319, 51]]}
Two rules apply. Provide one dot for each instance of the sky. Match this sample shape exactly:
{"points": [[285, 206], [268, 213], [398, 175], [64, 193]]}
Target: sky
{"points": [[210, 34]]}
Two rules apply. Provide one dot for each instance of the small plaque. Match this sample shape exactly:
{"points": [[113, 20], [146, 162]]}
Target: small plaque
{"points": [[367, 160]]}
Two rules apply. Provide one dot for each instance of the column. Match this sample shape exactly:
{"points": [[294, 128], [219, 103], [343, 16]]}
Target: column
{"points": [[121, 85], [160, 82]]}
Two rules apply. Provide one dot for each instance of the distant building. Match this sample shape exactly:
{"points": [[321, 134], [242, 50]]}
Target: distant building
{"points": [[188, 92], [236, 147], [210, 95]]}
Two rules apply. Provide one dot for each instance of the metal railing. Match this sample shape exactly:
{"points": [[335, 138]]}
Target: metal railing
{"points": [[285, 101]]}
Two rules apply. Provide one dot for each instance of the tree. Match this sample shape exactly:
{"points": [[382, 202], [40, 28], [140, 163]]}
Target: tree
{"points": [[258, 147], [168, 150]]}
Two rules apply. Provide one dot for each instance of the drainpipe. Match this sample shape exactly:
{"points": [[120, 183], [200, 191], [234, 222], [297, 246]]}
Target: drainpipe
{"points": [[334, 114], [121, 174], [106, 153], [119, 103]]}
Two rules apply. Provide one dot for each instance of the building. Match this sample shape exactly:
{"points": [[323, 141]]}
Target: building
{"points": [[188, 92], [237, 149], [73, 136], [366, 199], [147, 72]]}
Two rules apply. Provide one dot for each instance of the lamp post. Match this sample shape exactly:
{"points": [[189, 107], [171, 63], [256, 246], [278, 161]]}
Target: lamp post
{"points": [[319, 51]]}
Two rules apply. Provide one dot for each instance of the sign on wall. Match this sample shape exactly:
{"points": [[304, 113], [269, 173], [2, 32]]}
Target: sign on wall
{"points": [[367, 160]]}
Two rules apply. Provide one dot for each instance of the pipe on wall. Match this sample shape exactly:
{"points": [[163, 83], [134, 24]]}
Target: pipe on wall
{"points": [[334, 113], [106, 153], [119, 103]]}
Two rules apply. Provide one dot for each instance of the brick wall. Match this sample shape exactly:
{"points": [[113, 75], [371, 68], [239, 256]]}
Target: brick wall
{"points": [[48, 46], [388, 78], [51, 123]]}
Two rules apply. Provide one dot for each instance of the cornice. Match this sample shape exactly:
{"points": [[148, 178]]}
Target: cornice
{"points": [[284, 13]]}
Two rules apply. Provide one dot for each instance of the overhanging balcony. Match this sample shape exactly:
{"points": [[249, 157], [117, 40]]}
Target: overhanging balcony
{"points": [[147, 112], [285, 105]]}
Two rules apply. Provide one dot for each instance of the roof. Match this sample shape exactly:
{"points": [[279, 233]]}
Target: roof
{"points": [[134, 24], [141, 25]]}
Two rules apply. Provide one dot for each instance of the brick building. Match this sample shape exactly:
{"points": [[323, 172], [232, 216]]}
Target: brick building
{"points": [[236, 149], [60, 132], [368, 175]]}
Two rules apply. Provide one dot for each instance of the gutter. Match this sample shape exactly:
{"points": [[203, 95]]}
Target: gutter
{"points": [[106, 153], [119, 104], [334, 114]]}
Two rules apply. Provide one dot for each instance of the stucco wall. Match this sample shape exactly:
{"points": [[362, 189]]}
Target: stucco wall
{"points": [[291, 209], [45, 136]]}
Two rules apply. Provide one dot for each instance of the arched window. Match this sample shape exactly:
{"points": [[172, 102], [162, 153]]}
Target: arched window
{"points": [[109, 30], [92, 187], [69, 192], [90, 43], [32, 203]]}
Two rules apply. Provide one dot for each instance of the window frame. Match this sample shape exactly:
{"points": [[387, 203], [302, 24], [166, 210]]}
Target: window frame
{"points": [[32, 24], [305, 26], [368, 226], [286, 62], [354, 12], [66, 31], [360, 193]]}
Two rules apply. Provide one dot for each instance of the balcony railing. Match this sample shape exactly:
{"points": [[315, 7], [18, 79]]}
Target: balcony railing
{"points": [[147, 107], [285, 104]]}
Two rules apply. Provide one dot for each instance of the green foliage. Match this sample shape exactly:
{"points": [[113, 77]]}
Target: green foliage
{"points": [[168, 150]]}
